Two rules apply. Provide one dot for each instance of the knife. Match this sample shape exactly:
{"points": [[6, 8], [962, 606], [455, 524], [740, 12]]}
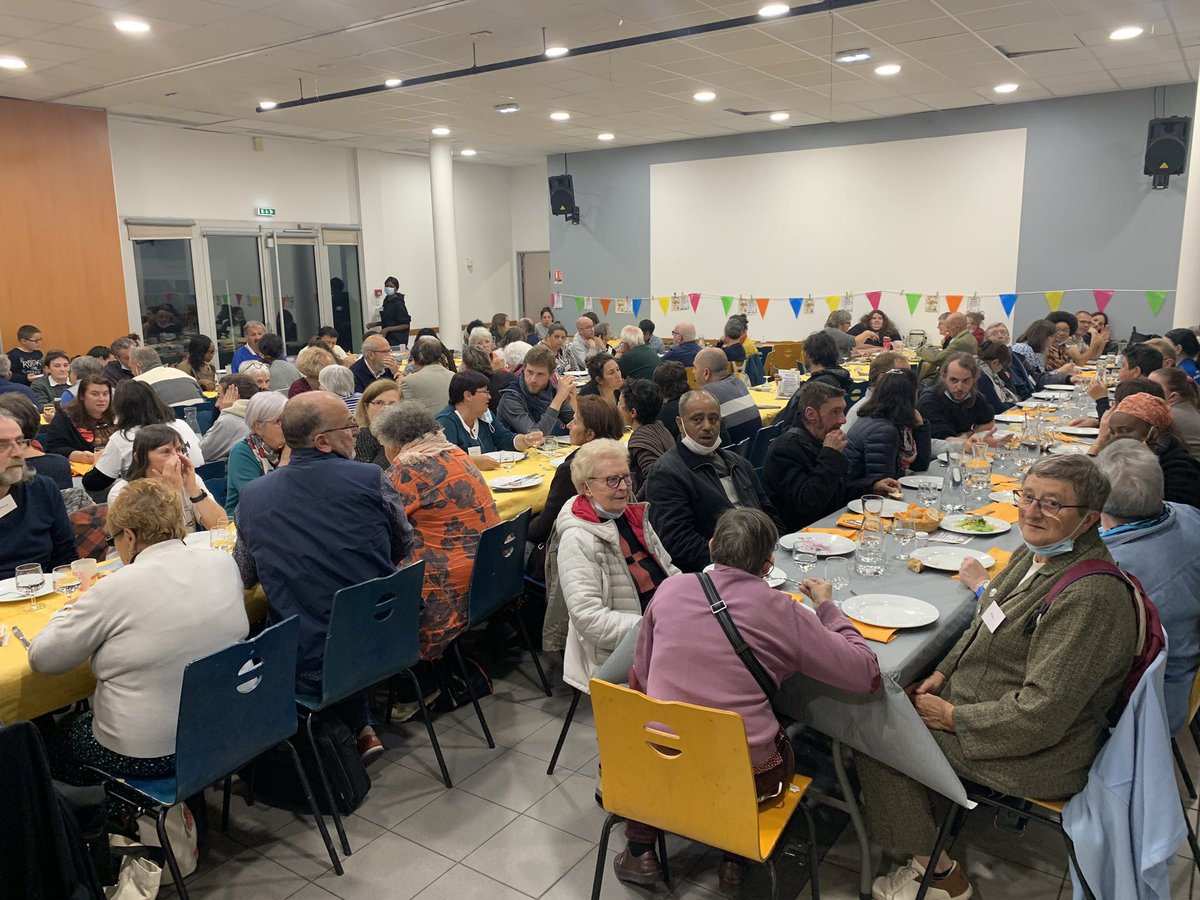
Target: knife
{"points": [[20, 636]]}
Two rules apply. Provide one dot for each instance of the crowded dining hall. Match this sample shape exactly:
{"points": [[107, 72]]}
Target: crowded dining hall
{"points": [[524, 449]]}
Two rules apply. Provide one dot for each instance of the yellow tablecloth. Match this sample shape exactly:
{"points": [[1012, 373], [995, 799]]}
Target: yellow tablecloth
{"points": [[768, 404], [510, 504]]}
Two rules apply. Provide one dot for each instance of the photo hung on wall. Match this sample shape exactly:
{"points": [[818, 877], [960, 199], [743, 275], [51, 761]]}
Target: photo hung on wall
{"points": [[810, 306], [931, 303]]}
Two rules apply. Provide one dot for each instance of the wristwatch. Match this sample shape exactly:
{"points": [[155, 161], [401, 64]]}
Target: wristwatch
{"points": [[203, 495]]}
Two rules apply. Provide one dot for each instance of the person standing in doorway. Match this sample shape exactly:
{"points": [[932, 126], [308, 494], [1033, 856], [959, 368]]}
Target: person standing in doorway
{"points": [[394, 318]]}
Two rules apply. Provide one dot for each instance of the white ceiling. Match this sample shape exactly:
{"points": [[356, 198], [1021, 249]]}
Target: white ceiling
{"points": [[206, 64]]}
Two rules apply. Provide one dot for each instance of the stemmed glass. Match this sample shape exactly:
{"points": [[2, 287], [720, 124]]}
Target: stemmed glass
{"points": [[220, 537], [67, 582], [804, 560], [30, 579]]}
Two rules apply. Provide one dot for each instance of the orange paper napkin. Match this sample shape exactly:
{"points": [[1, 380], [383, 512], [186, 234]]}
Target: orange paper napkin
{"points": [[1004, 482], [841, 532], [849, 520], [874, 632], [1004, 511], [80, 469], [1066, 438]]}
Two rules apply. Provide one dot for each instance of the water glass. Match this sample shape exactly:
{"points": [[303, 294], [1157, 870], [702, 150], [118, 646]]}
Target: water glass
{"points": [[804, 560], [904, 532], [869, 558], [67, 582], [220, 536], [837, 573], [29, 580], [928, 492], [872, 504]]}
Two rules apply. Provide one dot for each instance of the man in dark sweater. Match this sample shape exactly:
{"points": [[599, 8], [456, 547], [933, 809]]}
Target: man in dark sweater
{"points": [[806, 470], [821, 360], [26, 357], [953, 408]]}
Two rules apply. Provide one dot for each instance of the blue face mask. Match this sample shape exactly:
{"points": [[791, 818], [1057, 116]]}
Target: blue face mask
{"points": [[1066, 545], [389, 290]]}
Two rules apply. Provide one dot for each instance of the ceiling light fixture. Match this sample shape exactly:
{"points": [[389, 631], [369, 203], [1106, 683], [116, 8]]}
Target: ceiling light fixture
{"points": [[605, 136], [267, 104], [393, 82], [887, 69], [11, 62], [779, 117], [556, 52], [1125, 33], [773, 9], [704, 96], [132, 26], [440, 131], [560, 116], [1007, 88], [507, 108], [466, 151], [852, 56]]}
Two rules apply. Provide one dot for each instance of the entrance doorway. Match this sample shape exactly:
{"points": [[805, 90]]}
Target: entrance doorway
{"points": [[535, 282]]}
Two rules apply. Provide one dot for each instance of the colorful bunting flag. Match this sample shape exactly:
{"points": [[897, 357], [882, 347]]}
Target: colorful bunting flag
{"points": [[604, 304], [694, 299], [873, 297], [914, 300], [762, 305], [1156, 299], [954, 301], [796, 302], [637, 308], [1008, 301], [833, 301], [1054, 300], [579, 301], [665, 303], [1102, 298], [727, 302]]}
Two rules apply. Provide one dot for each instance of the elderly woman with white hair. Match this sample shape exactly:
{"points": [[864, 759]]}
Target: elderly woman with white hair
{"points": [[634, 357], [340, 380], [259, 373], [604, 563], [262, 452]]}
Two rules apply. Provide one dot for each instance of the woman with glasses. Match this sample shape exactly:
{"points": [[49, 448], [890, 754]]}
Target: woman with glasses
{"points": [[378, 396], [262, 452], [469, 424], [605, 562], [1024, 700], [158, 453]]}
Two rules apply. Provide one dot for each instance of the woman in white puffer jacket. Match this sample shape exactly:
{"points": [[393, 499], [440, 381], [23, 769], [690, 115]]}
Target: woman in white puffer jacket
{"points": [[607, 560]]}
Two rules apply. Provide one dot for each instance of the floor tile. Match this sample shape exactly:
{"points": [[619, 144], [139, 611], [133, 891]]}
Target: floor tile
{"points": [[464, 753], [396, 793], [464, 712], [514, 780], [578, 750], [461, 883], [249, 874], [299, 847], [1183, 879], [455, 823], [1185, 849], [312, 892], [510, 723], [1041, 846], [555, 705], [995, 878], [249, 826], [528, 855], [577, 883], [572, 807], [402, 738], [389, 867]]}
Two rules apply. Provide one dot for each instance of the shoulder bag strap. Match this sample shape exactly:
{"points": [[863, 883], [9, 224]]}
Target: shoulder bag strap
{"points": [[740, 647]]}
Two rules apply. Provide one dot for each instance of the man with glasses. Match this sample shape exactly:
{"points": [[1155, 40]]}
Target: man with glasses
{"points": [[26, 357], [300, 564], [376, 362], [584, 345], [684, 346], [33, 520]]}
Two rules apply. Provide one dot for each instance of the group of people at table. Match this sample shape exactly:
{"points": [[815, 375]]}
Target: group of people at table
{"points": [[395, 453]]}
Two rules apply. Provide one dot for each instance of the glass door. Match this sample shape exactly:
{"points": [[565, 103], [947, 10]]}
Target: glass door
{"points": [[345, 286], [235, 272], [162, 257], [295, 314]]}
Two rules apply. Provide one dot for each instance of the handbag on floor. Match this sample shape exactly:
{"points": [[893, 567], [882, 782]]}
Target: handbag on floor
{"points": [[181, 832]]}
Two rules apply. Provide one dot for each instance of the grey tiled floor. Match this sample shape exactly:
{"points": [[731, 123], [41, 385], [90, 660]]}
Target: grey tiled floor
{"points": [[508, 831]]}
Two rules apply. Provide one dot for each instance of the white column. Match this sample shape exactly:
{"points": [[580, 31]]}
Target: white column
{"points": [[445, 242], [1187, 288]]}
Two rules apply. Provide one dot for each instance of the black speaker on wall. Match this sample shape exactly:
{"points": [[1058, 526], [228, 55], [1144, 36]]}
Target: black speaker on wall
{"points": [[562, 198], [1167, 149]]}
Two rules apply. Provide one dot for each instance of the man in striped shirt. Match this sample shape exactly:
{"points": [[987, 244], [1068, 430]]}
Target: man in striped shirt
{"points": [[739, 413]]}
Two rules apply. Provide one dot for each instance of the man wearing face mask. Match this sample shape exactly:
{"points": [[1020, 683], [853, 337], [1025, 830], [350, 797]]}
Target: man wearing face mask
{"points": [[696, 481], [953, 407]]}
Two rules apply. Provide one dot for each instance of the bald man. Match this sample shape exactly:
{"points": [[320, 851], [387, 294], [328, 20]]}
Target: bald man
{"points": [[956, 330], [377, 362], [685, 346], [739, 412]]}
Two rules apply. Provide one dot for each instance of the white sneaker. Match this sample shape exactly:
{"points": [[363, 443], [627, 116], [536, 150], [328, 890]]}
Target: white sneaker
{"points": [[904, 883]]}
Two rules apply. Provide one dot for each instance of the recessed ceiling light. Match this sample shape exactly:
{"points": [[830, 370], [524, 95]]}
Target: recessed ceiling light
{"points": [[887, 69], [393, 82], [780, 117], [11, 62], [773, 9], [852, 56], [267, 104], [560, 116], [704, 96], [441, 131], [1006, 88], [133, 26], [1124, 34], [507, 108], [466, 151], [555, 52], [605, 136]]}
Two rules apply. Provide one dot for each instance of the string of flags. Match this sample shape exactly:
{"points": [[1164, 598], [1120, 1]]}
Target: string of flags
{"points": [[933, 303]]}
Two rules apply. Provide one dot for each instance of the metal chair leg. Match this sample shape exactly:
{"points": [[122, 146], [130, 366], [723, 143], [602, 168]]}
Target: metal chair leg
{"points": [[602, 854], [814, 862], [437, 748], [1191, 839], [1183, 772], [462, 668], [313, 807], [226, 791], [949, 827], [770, 864], [160, 824], [562, 735], [537, 663], [662, 858], [333, 810]]}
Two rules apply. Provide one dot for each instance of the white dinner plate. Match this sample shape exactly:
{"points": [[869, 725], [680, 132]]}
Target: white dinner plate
{"points": [[505, 456], [1003, 497], [9, 593], [1008, 417], [951, 523], [556, 461], [890, 507], [514, 482], [817, 543], [1045, 395], [579, 373], [774, 578], [1037, 404], [915, 481], [1058, 387], [890, 610], [948, 559], [1079, 431], [1069, 449]]}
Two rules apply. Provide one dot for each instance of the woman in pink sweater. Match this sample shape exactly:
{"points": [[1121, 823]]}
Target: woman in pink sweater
{"points": [[683, 655]]}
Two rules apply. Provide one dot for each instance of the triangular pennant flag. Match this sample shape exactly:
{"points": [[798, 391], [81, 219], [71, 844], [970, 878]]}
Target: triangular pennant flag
{"points": [[239, 299], [1156, 299], [665, 303], [694, 299], [1008, 301], [762, 305], [727, 303], [954, 301], [637, 308], [873, 297], [1102, 298], [796, 302], [913, 301], [579, 301], [833, 301], [605, 302], [1054, 300]]}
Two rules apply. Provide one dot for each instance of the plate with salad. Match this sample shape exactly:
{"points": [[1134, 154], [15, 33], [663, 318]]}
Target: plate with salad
{"points": [[975, 524]]}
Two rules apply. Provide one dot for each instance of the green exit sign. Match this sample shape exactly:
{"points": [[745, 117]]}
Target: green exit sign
{"points": [[266, 211]]}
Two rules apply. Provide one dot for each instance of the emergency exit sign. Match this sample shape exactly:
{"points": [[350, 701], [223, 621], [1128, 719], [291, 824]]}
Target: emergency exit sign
{"points": [[266, 210]]}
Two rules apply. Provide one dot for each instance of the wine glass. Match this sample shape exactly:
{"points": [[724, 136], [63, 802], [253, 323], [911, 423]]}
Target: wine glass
{"points": [[220, 536], [804, 560], [67, 581], [29, 580]]}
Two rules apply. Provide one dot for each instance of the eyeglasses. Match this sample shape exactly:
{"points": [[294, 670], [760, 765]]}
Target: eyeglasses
{"points": [[353, 426], [383, 403], [615, 481], [1049, 508], [9, 446]]}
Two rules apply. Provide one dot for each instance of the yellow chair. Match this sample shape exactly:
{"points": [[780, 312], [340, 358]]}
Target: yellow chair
{"points": [[691, 377], [686, 770], [784, 355]]}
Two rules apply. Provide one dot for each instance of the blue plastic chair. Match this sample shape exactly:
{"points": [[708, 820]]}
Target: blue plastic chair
{"points": [[218, 487], [742, 447], [374, 633], [235, 705], [760, 443], [213, 470]]}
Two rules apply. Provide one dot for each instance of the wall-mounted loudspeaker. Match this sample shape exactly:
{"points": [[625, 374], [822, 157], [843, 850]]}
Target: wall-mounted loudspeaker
{"points": [[1167, 149], [562, 198]]}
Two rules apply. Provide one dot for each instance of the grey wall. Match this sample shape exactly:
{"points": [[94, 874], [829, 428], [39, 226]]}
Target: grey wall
{"points": [[1088, 216]]}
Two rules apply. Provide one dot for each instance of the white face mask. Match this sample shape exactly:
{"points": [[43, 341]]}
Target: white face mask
{"points": [[697, 448], [389, 290]]}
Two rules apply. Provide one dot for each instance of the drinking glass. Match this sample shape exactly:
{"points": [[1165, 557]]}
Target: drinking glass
{"points": [[220, 536], [86, 570], [904, 531], [837, 573], [804, 560], [928, 492], [872, 504], [30, 579], [67, 582]]}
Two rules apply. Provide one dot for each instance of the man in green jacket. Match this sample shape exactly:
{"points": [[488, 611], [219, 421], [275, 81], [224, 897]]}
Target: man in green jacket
{"points": [[957, 328]]}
